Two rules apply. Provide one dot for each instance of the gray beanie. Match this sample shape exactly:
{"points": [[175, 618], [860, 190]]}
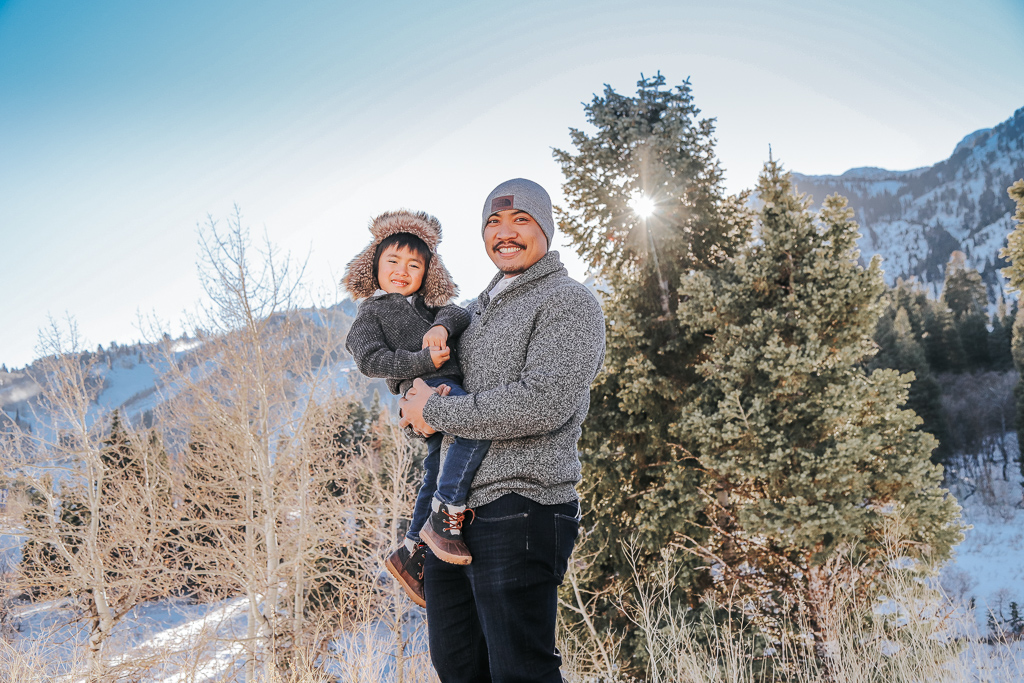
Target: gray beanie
{"points": [[524, 195]]}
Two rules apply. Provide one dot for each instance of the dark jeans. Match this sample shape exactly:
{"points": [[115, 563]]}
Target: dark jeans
{"points": [[494, 619], [452, 486]]}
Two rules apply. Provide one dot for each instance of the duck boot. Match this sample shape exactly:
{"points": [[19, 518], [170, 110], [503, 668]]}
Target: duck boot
{"points": [[443, 532], [407, 567]]}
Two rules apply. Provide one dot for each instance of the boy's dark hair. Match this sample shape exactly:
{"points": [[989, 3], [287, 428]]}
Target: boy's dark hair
{"points": [[403, 240]]}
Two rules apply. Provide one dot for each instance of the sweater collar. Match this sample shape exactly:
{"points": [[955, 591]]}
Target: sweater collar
{"points": [[381, 293], [548, 264]]}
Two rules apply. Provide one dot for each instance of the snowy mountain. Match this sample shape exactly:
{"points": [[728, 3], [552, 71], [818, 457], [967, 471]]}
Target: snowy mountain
{"points": [[130, 378], [916, 219]]}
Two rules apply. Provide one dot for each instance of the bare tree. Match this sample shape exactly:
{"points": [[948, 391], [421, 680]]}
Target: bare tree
{"points": [[278, 488], [99, 515], [275, 506]]}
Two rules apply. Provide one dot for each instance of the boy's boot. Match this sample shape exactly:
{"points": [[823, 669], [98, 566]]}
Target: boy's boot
{"points": [[443, 532], [406, 565]]}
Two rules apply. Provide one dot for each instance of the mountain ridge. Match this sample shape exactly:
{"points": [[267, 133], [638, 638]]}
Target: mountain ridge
{"points": [[916, 218]]}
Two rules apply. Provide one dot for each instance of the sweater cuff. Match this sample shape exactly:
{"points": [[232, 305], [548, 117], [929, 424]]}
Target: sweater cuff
{"points": [[433, 412], [424, 365]]}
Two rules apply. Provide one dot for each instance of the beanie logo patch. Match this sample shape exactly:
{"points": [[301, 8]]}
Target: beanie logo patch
{"points": [[502, 203]]}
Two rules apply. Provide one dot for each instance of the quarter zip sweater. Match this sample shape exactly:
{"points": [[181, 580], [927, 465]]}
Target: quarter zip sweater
{"points": [[528, 358], [386, 337]]}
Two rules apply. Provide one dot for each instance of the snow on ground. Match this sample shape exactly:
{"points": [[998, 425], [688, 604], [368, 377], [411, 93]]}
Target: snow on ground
{"points": [[170, 640], [124, 381], [987, 568], [176, 641]]}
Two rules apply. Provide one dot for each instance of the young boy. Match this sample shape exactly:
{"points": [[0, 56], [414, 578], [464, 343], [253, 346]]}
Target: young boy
{"points": [[403, 330]]}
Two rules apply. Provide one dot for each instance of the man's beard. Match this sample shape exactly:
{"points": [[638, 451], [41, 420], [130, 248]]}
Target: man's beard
{"points": [[510, 269]]}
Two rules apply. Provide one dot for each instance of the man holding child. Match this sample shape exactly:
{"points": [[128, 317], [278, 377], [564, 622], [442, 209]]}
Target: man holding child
{"points": [[533, 344]]}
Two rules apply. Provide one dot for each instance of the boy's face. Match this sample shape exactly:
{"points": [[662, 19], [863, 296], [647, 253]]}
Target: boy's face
{"points": [[400, 271]]}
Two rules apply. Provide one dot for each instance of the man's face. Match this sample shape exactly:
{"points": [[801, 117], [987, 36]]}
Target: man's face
{"points": [[514, 241]]}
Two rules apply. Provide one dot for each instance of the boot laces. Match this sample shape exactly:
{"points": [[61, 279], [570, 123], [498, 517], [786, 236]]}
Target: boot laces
{"points": [[419, 561], [453, 520]]}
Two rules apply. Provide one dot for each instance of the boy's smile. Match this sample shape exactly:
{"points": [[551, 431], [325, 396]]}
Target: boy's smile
{"points": [[400, 271]]}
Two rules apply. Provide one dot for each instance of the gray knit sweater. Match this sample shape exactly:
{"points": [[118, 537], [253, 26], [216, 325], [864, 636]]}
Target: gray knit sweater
{"points": [[387, 334], [528, 358]]}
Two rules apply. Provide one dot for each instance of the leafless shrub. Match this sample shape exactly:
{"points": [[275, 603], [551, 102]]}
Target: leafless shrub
{"points": [[94, 524], [275, 506], [910, 632], [979, 409]]}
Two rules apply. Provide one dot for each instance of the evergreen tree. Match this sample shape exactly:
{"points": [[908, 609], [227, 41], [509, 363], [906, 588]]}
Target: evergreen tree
{"points": [[899, 349], [963, 289], [40, 560], [1000, 339], [1014, 254], [343, 429], [647, 154], [943, 347], [204, 522], [914, 300], [142, 462], [964, 292], [811, 456], [117, 450]]}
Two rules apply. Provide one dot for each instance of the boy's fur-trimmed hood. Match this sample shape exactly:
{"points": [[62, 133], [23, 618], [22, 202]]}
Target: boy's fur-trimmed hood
{"points": [[437, 288]]}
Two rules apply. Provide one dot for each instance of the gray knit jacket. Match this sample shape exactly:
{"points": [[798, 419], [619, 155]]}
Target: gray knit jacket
{"points": [[528, 358], [387, 334]]}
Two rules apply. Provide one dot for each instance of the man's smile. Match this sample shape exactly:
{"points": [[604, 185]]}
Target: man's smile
{"points": [[509, 248]]}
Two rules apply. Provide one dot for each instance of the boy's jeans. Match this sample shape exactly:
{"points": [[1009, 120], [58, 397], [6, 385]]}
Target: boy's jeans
{"points": [[452, 486]]}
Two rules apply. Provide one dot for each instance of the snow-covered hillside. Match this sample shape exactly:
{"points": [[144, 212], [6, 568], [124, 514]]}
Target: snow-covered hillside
{"points": [[129, 378], [916, 219]]}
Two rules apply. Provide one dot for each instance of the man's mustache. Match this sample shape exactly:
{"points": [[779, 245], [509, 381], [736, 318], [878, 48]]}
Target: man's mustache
{"points": [[498, 246]]}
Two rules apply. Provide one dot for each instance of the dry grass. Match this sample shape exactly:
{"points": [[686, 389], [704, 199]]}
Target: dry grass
{"points": [[914, 634]]}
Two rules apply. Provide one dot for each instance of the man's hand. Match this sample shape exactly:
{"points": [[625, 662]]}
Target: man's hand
{"points": [[436, 336], [411, 407], [439, 356]]}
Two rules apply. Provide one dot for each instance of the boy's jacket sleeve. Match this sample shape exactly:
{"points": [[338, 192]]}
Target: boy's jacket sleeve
{"points": [[374, 358], [453, 318]]}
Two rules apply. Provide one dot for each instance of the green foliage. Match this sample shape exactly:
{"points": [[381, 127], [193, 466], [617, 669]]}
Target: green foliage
{"points": [[346, 427], [1014, 250], [965, 294], [900, 334], [1000, 340], [39, 559], [963, 290], [343, 428], [639, 485], [653, 144], [128, 465], [943, 347], [117, 450], [808, 456], [1014, 254], [204, 521]]}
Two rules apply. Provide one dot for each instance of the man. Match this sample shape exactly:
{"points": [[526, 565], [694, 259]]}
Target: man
{"points": [[534, 345]]}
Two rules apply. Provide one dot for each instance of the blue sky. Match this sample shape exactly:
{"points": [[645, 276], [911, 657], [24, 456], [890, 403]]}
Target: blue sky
{"points": [[124, 124]]}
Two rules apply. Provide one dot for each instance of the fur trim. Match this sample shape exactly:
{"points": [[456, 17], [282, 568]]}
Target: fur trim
{"points": [[438, 287]]}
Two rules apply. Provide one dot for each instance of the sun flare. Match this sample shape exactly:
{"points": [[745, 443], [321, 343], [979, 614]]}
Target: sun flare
{"points": [[642, 205]]}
